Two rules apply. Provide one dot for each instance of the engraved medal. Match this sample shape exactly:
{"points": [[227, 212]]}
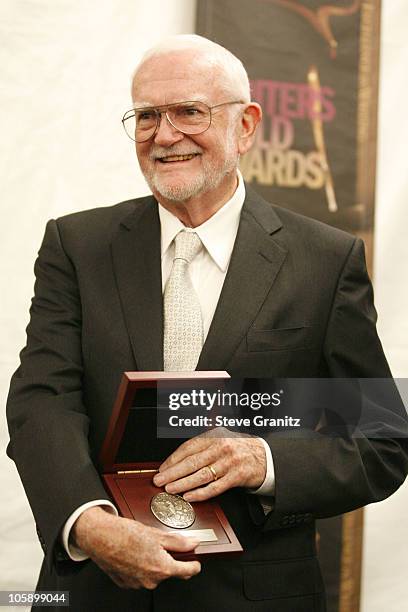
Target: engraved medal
{"points": [[172, 510]]}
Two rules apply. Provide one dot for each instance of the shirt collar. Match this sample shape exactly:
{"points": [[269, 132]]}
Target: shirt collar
{"points": [[217, 233]]}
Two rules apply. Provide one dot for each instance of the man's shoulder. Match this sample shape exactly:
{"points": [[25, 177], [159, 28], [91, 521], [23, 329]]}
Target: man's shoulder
{"points": [[314, 239], [107, 215], [292, 220], [89, 231], [295, 223], [310, 242]]}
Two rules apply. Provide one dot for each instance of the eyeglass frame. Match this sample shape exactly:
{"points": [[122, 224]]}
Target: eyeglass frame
{"points": [[159, 110]]}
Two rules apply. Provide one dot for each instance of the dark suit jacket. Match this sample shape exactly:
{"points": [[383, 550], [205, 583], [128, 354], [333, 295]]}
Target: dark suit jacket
{"points": [[296, 302]]}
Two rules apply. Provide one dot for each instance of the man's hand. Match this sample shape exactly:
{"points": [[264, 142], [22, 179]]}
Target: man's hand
{"points": [[237, 460], [132, 554]]}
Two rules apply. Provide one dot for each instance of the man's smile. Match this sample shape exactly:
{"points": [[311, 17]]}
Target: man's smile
{"points": [[177, 158]]}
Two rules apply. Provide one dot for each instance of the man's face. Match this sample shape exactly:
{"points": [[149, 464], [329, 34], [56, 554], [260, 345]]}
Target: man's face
{"points": [[212, 157]]}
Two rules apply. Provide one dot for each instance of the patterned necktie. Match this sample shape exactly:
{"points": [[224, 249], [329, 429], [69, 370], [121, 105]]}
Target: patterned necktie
{"points": [[183, 324]]}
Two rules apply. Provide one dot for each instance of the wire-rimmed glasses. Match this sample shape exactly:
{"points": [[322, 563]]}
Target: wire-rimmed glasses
{"points": [[190, 118]]}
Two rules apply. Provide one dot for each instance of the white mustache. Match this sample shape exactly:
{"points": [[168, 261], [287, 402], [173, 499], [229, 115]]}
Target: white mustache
{"points": [[158, 152]]}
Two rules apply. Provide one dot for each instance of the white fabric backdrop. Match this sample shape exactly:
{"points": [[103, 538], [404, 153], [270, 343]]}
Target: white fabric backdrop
{"points": [[385, 586], [65, 82], [65, 69]]}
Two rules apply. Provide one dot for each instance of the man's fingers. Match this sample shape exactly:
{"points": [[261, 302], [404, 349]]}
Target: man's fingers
{"points": [[211, 490], [179, 543], [184, 467], [197, 479], [191, 447], [186, 569]]}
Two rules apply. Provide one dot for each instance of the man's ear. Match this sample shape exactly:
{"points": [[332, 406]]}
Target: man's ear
{"points": [[248, 123]]}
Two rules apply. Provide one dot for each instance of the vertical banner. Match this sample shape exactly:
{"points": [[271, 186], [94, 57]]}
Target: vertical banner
{"points": [[313, 67]]}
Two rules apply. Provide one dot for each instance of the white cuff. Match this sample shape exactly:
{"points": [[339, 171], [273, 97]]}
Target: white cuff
{"points": [[73, 552], [268, 485]]}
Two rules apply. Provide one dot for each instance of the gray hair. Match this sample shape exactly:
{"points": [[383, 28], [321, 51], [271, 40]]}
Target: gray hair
{"points": [[236, 81]]}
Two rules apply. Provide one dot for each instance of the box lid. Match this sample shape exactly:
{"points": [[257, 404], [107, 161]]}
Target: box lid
{"points": [[131, 436]]}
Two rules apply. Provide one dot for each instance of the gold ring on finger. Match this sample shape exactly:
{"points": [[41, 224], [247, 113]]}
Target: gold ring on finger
{"points": [[213, 472]]}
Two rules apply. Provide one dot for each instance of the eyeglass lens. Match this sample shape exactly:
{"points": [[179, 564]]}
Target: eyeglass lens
{"points": [[188, 117]]}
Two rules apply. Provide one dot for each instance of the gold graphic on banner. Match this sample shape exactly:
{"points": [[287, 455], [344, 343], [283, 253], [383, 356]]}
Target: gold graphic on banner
{"points": [[318, 134], [320, 18]]}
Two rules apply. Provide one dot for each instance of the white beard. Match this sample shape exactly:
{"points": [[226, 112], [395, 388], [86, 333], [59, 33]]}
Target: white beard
{"points": [[208, 179]]}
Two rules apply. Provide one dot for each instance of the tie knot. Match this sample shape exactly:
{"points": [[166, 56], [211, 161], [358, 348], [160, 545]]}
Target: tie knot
{"points": [[188, 244]]}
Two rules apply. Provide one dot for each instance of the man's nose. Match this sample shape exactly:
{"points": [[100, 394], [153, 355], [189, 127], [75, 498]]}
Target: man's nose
{"points": [[167, 134]]}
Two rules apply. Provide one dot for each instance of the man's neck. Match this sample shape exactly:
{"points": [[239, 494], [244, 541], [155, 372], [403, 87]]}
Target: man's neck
{"points": [[198, 210]]}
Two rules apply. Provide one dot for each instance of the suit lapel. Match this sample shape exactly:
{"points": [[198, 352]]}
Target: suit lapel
{"points": [[137, 266], [255, 262]]}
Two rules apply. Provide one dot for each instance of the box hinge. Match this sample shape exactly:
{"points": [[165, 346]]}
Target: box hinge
{"points": [[137, 471]]}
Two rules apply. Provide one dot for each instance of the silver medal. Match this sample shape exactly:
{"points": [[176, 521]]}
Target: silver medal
{"points": [[172, 510]]}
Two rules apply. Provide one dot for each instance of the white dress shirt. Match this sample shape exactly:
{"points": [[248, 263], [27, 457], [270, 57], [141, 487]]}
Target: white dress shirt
{"points": [[207, 271]]}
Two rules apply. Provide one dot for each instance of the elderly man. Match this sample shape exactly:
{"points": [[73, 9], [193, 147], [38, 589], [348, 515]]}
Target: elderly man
{"points": [[266, 293]]}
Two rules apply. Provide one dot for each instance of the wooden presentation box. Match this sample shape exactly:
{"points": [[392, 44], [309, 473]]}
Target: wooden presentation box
{"points": [[131, 455]]}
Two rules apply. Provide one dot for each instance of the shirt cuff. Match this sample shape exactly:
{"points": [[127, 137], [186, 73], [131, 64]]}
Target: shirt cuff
{"points": [[268, 485], [73, 552]]}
